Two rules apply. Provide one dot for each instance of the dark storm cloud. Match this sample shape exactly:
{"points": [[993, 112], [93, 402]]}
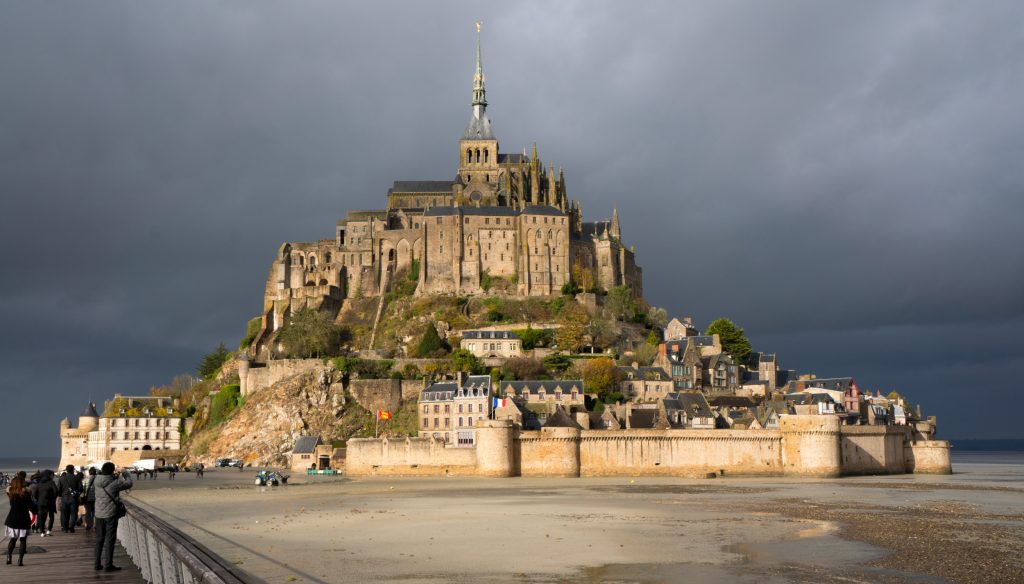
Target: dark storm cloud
{"points": [[844, 180]]}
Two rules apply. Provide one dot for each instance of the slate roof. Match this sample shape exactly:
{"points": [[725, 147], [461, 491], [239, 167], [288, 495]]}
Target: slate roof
{"points": [[421, 186], [692, 402], [561, 419], [643, 418], [478, 128], [542, 210], [648, 373], [90, 411], [481, 211], [834, 383], [804, 398], [306, 445], [439, 392], [548, 385], [731, 401], [766, 358], [514, 158], [478, 382], [703, 340], [489, 335], [594, 228]]}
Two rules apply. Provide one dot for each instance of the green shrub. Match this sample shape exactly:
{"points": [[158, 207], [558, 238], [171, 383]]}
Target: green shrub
{"points": [[463, 360], [251, 330], [431, 344], [225, 402]]}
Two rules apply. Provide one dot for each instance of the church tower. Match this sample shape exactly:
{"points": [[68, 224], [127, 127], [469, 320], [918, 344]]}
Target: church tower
{"points": [[478, 148]]}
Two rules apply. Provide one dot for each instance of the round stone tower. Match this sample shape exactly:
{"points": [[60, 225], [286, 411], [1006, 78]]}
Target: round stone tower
{"points": [[810, 445], [243, 374], [494, 448], [89, 420]]}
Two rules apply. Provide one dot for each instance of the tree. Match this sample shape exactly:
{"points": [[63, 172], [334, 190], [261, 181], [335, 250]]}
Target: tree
{"points": [[212, 362], [431, 344], [732, 338], [601, 376], [645, 353], [557, 363], [654, 338], [523, 368], [310, 333], [603, 332], [657, 317], [463, 360], [583, 276], [620, 303], [573, 319]]}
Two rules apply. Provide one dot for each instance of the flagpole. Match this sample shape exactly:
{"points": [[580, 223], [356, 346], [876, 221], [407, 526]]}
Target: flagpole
{"points": [[376, 423]]}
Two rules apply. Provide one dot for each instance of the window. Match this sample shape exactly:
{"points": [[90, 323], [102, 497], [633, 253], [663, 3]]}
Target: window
{"points": [[426, 422], [437, 422], [447, 409], [460, 410], [469, 156], [437, 408], [438, 220], [460, 420], [447, 422], [426, 409], [480, 408]]}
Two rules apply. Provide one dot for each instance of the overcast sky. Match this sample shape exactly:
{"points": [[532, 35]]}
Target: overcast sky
{"points": [[844, 180]]}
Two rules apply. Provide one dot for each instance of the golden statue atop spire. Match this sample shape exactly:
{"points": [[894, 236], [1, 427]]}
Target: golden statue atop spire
{"points": [[478, 23]]}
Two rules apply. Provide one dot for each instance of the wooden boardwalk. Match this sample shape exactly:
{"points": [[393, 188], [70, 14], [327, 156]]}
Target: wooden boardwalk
{"points": [[66, 557]]}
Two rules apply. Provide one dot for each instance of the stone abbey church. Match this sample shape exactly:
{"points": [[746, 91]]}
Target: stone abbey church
{"points": [[503, 215]]}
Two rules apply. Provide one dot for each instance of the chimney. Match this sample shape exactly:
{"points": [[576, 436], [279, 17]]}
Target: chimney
{"points": [[461, 378], [661, 349], [687, 320]]}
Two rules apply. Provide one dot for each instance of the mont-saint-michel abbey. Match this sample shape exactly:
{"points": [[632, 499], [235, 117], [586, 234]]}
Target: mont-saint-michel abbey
{"points": [[502, 214]]}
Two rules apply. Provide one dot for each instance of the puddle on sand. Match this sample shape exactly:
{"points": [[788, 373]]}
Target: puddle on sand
{"points": [[676, 573]]}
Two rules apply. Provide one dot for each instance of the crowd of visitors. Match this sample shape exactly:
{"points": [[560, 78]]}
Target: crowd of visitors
{"points": [[34, 502]]}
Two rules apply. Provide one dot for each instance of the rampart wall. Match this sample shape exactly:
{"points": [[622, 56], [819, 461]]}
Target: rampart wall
{"points": [[804, 445]]}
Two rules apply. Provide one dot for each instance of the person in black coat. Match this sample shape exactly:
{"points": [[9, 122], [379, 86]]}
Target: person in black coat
{"points": [[44, 493], [69, 487], [18, 522]]}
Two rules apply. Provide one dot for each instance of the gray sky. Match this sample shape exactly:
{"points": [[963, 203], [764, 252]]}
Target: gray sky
{"points": [[844, 180]]}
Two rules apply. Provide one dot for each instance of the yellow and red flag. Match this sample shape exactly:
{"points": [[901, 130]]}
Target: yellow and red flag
{"points": [[383, 415]]}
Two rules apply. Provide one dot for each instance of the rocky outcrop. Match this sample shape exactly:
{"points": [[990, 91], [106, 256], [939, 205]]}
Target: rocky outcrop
{"points": [[264, 429]]}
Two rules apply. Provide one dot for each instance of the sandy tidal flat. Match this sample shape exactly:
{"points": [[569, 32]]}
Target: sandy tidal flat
{"points": [[968, 527]]}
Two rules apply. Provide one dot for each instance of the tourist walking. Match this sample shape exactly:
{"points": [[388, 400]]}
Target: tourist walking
{"points": [[44, 493], [69, 487], [89, 494], [108, 499], [19, 519]]}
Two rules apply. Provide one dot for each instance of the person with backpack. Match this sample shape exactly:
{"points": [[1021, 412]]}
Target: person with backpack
{"points": [[44, 493], [89, 496], [109, 509], [69, 487]]}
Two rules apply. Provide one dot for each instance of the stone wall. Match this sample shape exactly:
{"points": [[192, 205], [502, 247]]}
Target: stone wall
{"points": [[274, 371], [873, 449], [408, 457], [374, 394], [811, 445], [680, 452]]}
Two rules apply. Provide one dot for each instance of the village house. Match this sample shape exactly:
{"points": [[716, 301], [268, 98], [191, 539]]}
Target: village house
{"points": [[679, 329], [310, 453], [720, 372], [449, 410], [643, 384], [492, 344]]}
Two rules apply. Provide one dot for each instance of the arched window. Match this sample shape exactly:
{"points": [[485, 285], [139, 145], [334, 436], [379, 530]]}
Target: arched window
{"points": [[486, 154], [469, 157], [327, 258], [312, 261], [478, 155]]}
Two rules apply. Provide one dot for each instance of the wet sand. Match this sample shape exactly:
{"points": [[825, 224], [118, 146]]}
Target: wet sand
{"points": [[968, 527]]}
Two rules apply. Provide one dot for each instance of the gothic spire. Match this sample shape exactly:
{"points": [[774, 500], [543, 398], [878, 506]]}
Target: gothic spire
{"points": [[616, 231], [479, 93], [479, 127]]}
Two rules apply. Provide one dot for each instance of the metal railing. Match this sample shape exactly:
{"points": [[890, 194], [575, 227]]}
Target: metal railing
{"points": [[165, 555]]}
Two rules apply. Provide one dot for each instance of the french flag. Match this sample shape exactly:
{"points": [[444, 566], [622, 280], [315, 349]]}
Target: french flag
{"points": [[498, 403]]}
